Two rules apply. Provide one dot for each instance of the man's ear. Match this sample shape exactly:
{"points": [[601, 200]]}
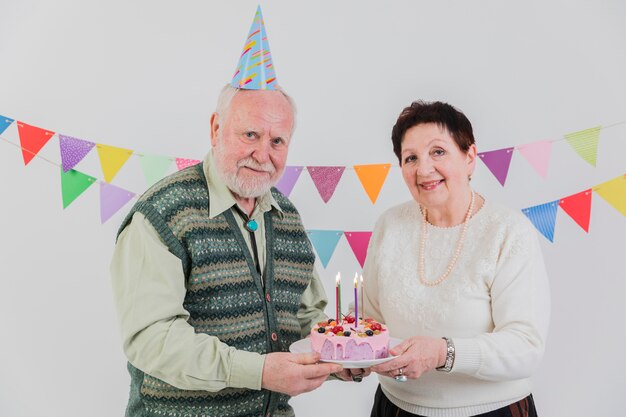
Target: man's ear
{"points": [[215, 127]]}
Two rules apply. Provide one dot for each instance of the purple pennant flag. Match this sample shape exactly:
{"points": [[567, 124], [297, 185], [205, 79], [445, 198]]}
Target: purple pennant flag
{"points": [[112, 199], [326, 179], [288, 180], [73, 151], [498, 162]]}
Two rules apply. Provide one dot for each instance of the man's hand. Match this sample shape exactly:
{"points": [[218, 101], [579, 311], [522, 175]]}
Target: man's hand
{"points": [[295, 373]]}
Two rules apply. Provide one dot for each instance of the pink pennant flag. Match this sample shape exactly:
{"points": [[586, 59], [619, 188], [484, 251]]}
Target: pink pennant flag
{"points": [[538, 155], [182, 163], [498, 162], [359, 242], [325, 179], [73, 151], [112, 199]]}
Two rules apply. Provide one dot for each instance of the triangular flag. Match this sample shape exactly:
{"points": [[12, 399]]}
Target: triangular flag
{"points": [[358, 242], [255, 70], [543, 217], [112, 198], [4, 123], [372, 178], [538, 155], [182, 163], [585, 143], [32, 139], [73, 184], [326, 179], [578, 206], [112, 159], [288, 180], [324, 242], [498, 162], [614, 192], [73, 151], [154, 167]]}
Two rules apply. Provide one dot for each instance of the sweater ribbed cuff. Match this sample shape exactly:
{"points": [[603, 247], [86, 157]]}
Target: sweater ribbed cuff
{"points": [[467, 356]]}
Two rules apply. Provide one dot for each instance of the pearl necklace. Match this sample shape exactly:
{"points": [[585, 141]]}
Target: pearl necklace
{"points": [[457, 251]]}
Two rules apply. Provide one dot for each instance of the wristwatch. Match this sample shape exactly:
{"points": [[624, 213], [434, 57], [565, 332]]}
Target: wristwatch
{"points": [[447, 366]]}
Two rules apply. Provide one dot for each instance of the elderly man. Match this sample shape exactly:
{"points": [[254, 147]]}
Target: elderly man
{"points": [[213, 276]]}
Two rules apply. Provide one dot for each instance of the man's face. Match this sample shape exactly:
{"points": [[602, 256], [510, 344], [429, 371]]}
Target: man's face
{"points": [[250, 145]]}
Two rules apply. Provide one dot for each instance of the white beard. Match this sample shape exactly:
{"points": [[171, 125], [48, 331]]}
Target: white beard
{"points": [[240, 185]]}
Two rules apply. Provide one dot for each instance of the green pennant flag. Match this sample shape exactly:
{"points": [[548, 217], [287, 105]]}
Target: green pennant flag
{"points": [[585, 143], [73, 184], [154, 167]]}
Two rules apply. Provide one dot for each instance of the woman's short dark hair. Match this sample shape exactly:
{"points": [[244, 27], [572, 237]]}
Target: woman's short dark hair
{"points": [[442, 114]]}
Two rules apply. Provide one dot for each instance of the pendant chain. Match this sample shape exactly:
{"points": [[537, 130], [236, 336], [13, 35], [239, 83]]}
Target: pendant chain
{"points": [[457, 251]]}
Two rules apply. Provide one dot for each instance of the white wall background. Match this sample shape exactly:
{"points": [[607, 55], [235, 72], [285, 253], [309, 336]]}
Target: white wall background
{"points": [[145, 75]]}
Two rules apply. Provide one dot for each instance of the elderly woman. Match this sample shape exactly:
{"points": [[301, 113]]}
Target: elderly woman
{"points": [[459, 278]]}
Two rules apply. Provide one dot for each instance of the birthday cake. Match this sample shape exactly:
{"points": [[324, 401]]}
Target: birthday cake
{"points": [[347, 341]]}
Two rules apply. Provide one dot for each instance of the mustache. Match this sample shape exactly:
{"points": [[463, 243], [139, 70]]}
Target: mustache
{"points": [[251, 163]]}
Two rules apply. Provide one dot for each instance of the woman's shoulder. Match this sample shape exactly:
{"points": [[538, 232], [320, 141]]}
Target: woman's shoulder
{"points": [[507, 219]]}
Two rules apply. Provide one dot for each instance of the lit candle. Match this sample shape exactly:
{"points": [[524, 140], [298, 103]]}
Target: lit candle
{"points": [[362, 299], [356, 301], [338, 299]]}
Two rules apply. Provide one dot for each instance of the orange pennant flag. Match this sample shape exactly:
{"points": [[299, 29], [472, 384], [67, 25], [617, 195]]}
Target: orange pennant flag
{"points": [[372, 178], [614, 192], [32, 139], [112, 159], [578, 207]]}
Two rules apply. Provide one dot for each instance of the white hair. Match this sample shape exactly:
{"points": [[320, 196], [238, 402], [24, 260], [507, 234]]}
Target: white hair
{"points": [[228, 93]]}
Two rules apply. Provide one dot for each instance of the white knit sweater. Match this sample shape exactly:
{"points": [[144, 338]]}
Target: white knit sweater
{"points": [[494, 305]]}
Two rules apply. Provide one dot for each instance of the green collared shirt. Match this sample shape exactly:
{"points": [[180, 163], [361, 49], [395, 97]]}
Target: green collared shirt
{"points": [[149, 290]]}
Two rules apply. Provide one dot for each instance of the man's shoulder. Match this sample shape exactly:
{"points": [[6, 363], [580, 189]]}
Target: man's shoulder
{"points": [[184, 182]]}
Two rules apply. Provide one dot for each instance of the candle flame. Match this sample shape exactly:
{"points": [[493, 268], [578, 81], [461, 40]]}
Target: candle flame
{"points": [[338, 278], [356, 276]]}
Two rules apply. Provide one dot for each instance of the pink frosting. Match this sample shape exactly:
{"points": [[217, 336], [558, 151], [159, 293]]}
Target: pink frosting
{"points": [[352, 347]]}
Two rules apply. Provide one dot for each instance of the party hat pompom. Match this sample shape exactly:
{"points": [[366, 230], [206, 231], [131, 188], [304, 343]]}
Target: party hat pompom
{"points": [[255, 70]]}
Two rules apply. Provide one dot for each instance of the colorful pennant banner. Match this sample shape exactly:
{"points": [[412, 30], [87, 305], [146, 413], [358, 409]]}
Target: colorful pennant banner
{"points": [[288, 180], [498, 162], [73, 184], [325, 178], [154, 167], [585, 143], [32, 139], [113, 198], [538, 155], [73, 151], [4, 123], [578, 207]]}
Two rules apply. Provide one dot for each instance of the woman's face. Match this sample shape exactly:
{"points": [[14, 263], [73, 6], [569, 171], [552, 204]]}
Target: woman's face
{"points": [[435, 169]]}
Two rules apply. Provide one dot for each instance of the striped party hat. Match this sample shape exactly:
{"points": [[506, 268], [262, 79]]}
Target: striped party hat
{"points": [[255, 70]]}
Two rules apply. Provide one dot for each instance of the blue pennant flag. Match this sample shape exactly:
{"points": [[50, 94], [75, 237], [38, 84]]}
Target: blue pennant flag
{"points": [[325, 242], [4, 123], [543, 217]]}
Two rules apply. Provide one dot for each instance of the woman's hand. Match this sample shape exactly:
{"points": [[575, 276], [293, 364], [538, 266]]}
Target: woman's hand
{"points": [[415, 356]]}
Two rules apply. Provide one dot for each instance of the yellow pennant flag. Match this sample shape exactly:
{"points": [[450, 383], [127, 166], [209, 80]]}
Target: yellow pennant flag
{"points": [[585, 143], [372, 178], [112, 159], [614, 192]]}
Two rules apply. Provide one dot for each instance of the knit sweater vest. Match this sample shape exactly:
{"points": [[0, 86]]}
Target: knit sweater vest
{"points": [[225, 297]]}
